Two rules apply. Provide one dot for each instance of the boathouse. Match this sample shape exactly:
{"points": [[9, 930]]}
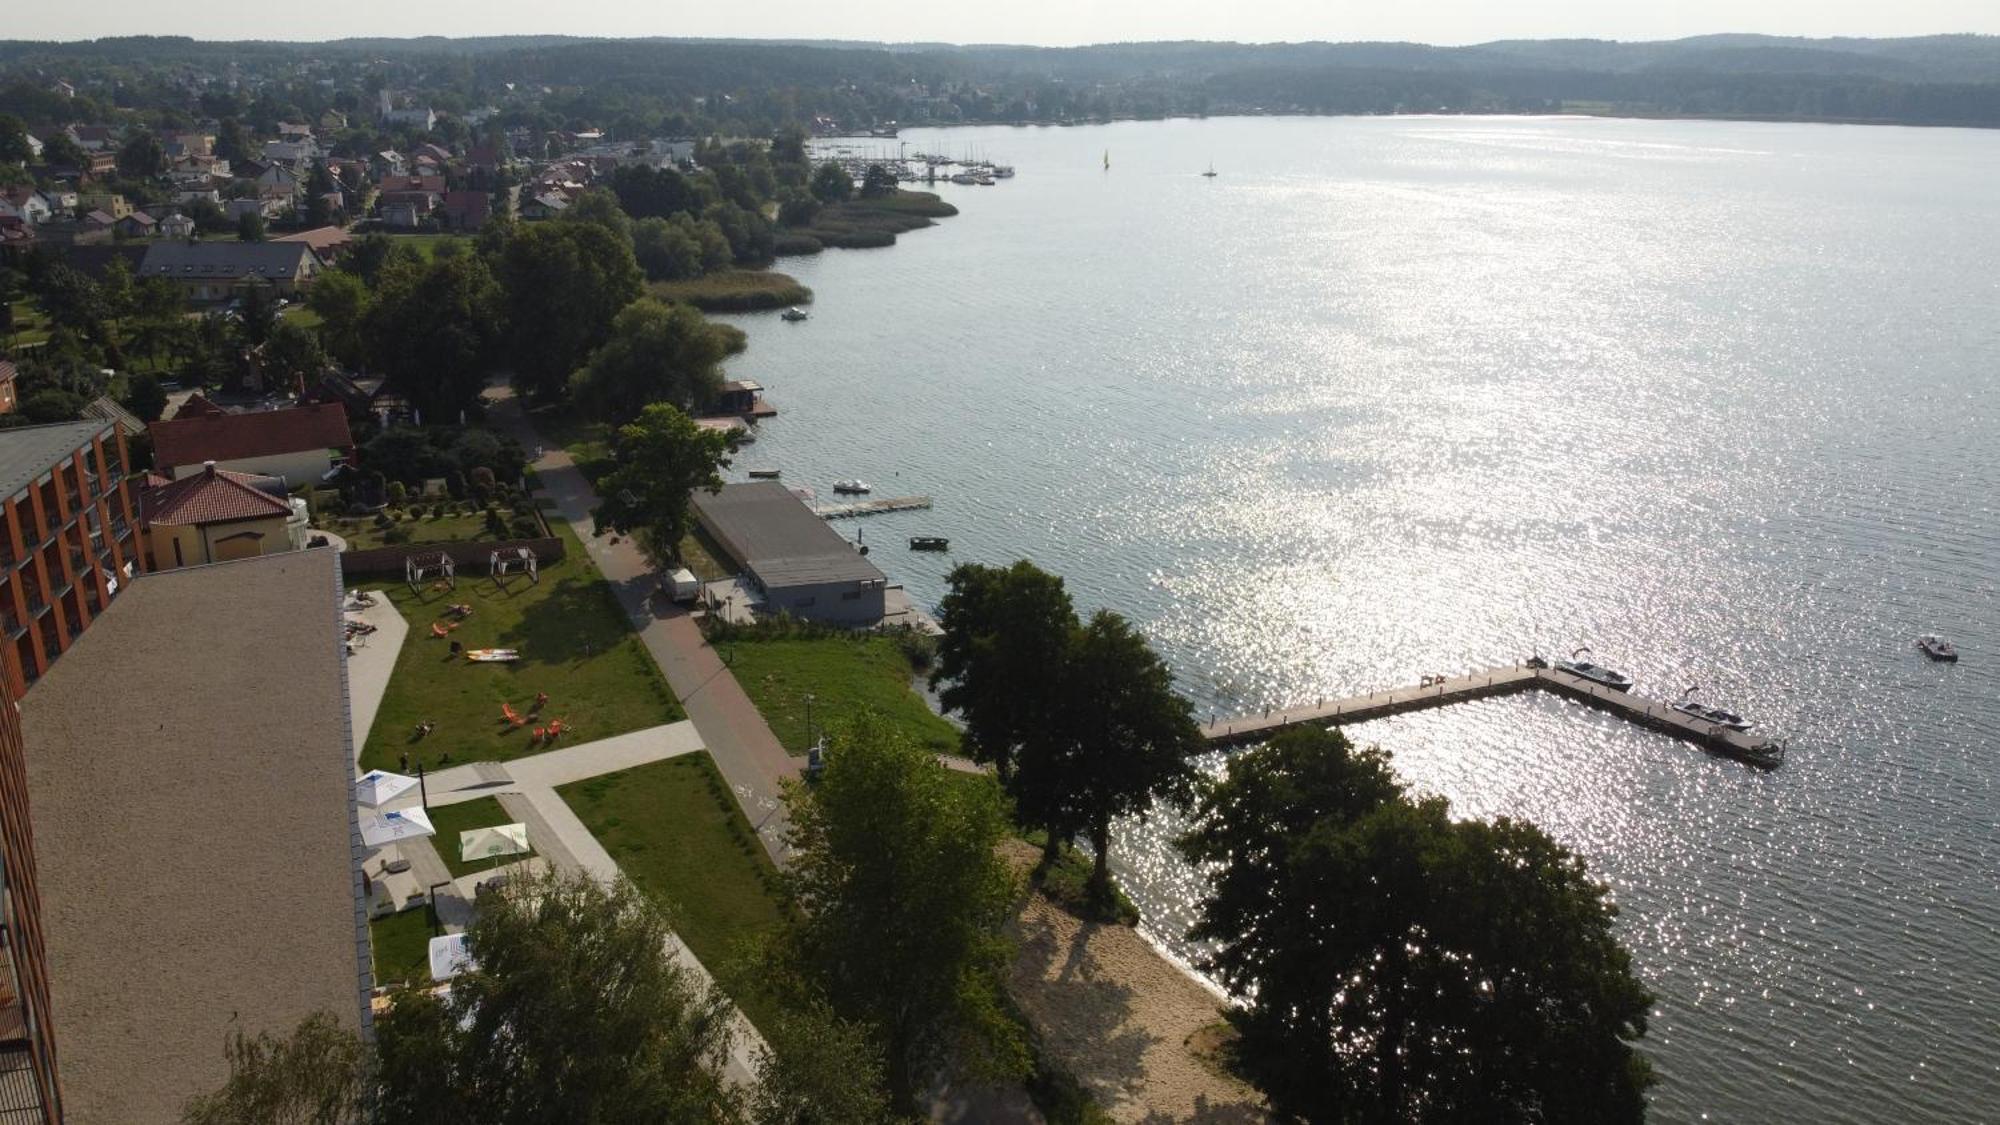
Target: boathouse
{"points": [[796, 562]]}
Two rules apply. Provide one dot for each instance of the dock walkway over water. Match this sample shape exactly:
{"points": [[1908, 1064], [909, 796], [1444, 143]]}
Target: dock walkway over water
{"points": [[1444, 691], [873, 507]]}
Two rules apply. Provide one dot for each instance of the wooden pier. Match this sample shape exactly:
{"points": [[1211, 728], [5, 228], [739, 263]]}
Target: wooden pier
{"points": [[1758, 750], [873, 507]]}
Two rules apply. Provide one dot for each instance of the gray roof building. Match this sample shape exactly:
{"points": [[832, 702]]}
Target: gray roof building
{"points": [[29, 453], [190, 774], [804, 567], [224, 262]]}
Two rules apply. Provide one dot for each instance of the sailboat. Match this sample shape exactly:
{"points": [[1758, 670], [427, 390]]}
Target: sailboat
{"points": [[1210, 174], [1107, 160]]}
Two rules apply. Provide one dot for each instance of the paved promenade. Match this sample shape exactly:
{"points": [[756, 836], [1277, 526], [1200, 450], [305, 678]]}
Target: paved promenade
{"points": [[748, 754]]}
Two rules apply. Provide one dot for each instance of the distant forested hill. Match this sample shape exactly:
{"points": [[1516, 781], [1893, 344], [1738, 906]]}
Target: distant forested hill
{"points": [[634, 85]]}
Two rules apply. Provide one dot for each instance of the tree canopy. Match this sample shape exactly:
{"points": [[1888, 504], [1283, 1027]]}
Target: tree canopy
{"points": [[1396, 965], [657, 353], [900, 901], [563, 284], [432, 328], [662, 458], [575, 1012]]}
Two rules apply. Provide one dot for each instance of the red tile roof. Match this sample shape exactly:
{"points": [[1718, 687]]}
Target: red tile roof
{"points": [[263, 433], [213, 496], [7, 372], [198, 406]]}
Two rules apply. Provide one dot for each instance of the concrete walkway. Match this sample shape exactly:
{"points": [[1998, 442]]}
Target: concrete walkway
{"points": [[736, 735], [372, 662], [558, 767]]}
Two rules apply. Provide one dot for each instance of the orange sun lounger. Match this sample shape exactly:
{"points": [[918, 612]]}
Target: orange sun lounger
{"points": [[515, 717]]}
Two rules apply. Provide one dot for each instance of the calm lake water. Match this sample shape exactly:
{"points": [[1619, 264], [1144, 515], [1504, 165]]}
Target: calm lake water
{"points": [[1397, 396]]}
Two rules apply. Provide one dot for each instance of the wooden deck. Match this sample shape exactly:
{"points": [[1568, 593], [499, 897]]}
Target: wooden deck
{"points": [[873, 507], [1757, 749]]}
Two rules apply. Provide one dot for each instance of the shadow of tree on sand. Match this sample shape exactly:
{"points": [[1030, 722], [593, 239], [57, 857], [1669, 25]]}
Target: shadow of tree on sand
{"points": [[1084, 1017]]}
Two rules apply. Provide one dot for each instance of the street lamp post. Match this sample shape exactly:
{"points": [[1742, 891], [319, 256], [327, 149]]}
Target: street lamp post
{"points": [[809, 719]]}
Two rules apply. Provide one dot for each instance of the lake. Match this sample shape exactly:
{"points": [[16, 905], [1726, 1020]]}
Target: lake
{"points": [[1398, 396]]}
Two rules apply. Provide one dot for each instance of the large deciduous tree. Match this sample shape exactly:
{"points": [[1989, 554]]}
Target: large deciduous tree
{"points": [[1395, 965], [341, 299], [563, 285], [431, 328], [657, 353], [1131, 736], [662, 458], [315, 1075], [575, 1011], [900, 901], [142, 157], [832, 184]]}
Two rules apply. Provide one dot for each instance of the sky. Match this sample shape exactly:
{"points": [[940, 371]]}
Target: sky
{"points": [[1045, 22]]}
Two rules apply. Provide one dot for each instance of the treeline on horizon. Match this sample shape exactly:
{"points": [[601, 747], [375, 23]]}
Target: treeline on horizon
{"points": [[637, 86]]}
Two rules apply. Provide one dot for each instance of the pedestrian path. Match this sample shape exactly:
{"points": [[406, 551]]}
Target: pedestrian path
{"points": [[558, 767], [370, 662], [750, 757]]}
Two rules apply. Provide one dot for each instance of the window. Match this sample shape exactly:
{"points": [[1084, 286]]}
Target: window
{"points": [[851, 596], [803, 602]]}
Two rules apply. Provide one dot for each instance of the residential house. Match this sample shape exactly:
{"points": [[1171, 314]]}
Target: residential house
{"points": [[294, 130], [93, 138], [104, 408], [17, 238], [290, 152], [439, 155], [467, 210], [216, 271], [483, 158], [62, 200], [332, 121], [34, 148], [109, 202], [403, 215], [97, 222], [278, 181], [214, 516], [187, 143], [176, 225], [329, 243], [199, 193], [299, 444], [147, 750], [8, 376], [263, 206], [66, 538], [137, 225], [24, 203], [198, 405], [389, 164], [547, 205]]}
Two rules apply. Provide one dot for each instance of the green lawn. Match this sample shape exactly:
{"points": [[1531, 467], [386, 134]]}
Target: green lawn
{"points": [[402, 946], [456, 527], [843, 675], [465, 816], [575, 644], [675, 830], [30, 326]]}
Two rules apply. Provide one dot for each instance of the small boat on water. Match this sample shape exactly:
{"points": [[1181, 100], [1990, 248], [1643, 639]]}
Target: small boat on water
{"points": [[1765, 755], [852, 487], [1003, 171], [1720, 716], [1595, 673], [929, 543], [795, 314], [965, 179], [1210, 174], [1937, 648], [763, 474]]}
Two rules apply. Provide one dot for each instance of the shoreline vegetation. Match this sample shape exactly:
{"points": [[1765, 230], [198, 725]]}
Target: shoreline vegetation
{"points": [[735, 290]]}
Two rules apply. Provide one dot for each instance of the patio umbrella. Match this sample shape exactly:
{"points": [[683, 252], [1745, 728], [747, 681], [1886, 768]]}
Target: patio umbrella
{"points": [[486, 843], [449, 956], [378, 787], [379, 828]]}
